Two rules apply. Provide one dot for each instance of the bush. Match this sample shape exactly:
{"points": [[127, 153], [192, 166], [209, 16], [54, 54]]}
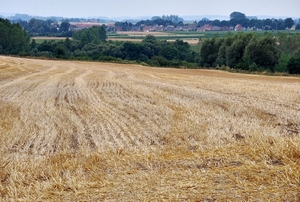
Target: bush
{"points": [[282, 63], [24, 54], [262, 51], [144, 64], [153, 63], [86, 58], [45, 54], [253, 67], [293, 65], [109, 59], [60, 51], [159, 61], [242, 65]]}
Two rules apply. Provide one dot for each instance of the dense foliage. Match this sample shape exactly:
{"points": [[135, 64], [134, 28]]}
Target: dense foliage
{"points": [[252, 52], [251, 22], [38, 27], [94, 34], [293, 65], [91, 44], [13, 39]]}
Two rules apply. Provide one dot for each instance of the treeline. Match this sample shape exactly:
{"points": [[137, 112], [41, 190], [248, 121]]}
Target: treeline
{"points": [[38, 27], [235, 18], [252, 52], [242, 51], [50, 27], [91, 44], [172, 18], [246, 22], [150, 51], [127, 26]]}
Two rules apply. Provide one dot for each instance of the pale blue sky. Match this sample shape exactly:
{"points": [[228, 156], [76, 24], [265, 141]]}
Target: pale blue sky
{"points": [[136, 8]]}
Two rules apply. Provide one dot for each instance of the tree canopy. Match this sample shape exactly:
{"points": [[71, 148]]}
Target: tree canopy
{"points": [[237, 15], [94, 34], [13, 39], [293, 65], [241, 51], [64, 26]]}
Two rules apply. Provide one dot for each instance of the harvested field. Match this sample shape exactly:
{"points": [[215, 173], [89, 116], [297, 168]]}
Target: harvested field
{"points": [[85, 131], [189, 41], [49, 38], [144, 33]]}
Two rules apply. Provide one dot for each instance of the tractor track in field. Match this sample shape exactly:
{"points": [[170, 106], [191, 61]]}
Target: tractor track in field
{"points": [[80, 106], [90, 131]]}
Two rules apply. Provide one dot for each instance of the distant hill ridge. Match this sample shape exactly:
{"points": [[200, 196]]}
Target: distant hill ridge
{"points": [[27, 17]]}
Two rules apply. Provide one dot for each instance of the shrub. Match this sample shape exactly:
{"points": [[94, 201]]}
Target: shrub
{"points": [[45, 54], [109, 59], [293, 65], [86, 58], [159, 61], [282, 63]]}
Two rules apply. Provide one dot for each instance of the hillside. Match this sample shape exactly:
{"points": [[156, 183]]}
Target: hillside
{"points": [[88, 131]]}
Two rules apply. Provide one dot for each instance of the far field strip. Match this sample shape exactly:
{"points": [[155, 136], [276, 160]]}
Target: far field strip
{"points": [[192, 39]]}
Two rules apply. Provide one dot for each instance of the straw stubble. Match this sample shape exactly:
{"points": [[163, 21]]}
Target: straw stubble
{"points": [[89, 131]]}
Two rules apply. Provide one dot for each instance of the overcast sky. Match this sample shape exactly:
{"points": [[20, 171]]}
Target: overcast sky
{"points": [[136, 8]]}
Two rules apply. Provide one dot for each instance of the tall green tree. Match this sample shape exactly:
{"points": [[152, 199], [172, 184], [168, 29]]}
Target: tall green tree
{"points": [[235, 52], [64, 26], [93, 34], [209, 52], [131, 51], [289, 22], [33, 44], [60, 51], [152, 45], [261, 53], [224, 48], [169, 52], [13, 39], [293, 65], [238, 18], [237, 15]]}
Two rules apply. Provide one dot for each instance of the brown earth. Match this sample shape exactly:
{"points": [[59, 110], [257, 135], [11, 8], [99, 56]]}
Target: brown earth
{"points": [[86, 131], [189, 41]]}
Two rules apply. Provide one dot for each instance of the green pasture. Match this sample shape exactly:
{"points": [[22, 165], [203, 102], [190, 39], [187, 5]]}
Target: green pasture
{"points": [[181, 35], [39, 41], [193, 34]]}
